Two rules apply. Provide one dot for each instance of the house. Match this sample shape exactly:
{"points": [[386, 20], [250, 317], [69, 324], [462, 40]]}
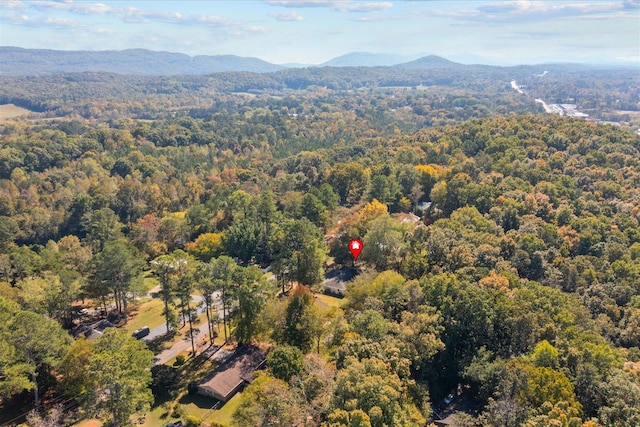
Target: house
{"points": [[335, 282], [234, 373], [91, 331], [334, 288], [407, 218]]}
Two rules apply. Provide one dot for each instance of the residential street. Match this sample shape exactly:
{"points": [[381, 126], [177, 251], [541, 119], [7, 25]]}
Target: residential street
{"points": [[201, 331]]}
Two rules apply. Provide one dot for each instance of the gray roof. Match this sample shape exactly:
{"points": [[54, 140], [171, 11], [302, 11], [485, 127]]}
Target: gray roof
{"points": [[239, 368]]}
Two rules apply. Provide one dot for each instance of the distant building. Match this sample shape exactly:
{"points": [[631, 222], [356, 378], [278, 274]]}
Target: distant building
{"points": [[234, 373]]}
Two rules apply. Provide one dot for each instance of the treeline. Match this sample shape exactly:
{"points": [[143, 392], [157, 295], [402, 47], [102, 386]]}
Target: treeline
{"points": [[108, 95]]}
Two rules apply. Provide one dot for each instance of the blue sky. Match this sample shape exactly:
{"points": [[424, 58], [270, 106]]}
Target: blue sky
{"points": [[314, 31]]}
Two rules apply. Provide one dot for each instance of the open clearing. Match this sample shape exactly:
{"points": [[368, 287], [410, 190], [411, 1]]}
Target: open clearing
{"points": [[9, 111], [149, 314], [330, 301]]}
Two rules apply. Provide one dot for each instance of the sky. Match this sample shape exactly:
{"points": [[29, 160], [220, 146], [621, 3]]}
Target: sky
{"points": [[314, 31]]}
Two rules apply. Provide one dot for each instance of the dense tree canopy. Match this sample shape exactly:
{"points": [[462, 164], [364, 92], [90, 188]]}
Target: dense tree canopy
{"points": [[500, 259]]}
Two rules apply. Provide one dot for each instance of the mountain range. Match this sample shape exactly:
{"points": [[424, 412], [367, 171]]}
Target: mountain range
{"points": [[19, 62], [16, 61]]}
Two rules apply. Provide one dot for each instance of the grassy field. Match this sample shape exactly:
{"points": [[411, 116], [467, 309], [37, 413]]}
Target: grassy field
{"points": [[330, 301], [9, 111], [223, 415], [198, 406], [157, 417], [148, 314]]}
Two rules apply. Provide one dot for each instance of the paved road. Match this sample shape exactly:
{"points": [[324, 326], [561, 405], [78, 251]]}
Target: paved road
{"points": [[201, 331], [162, 329]]}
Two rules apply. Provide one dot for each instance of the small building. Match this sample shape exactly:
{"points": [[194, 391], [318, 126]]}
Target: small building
{"points": [[234, 373]]}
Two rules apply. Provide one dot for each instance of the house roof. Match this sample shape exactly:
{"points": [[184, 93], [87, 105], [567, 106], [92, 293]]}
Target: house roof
{"points": [[91, 331], [337, 279], [448, 421], [335, 284], [407, 218], [240, 367]]}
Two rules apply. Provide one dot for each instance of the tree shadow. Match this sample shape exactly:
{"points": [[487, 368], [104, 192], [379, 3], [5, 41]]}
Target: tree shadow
{"points": [[156, 345], [202, 402]]}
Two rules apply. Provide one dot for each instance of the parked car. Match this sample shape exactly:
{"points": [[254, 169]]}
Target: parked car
{"points": [[448, 399], [141, 333], [175, 424]]}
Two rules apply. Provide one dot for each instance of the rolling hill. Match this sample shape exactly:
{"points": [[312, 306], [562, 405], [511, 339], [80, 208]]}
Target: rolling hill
{"points": [[22, 62]]}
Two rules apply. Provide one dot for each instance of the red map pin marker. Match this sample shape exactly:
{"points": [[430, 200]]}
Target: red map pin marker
{"points": [[355, 247]]}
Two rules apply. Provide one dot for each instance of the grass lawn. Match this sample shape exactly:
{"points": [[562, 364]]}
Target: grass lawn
{"points": [[223, 415], [157, 417], [150, 282], [331, 301], [199, 406], [148, 314], [88, 423]]}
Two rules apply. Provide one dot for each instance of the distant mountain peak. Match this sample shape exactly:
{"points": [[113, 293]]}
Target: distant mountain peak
{"points": [[430, 61], [368, 59]]}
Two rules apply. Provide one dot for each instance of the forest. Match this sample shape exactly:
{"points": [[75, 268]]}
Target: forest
{"points": [[499, 284]]}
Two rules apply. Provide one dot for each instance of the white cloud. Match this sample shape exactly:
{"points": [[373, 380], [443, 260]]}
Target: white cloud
{"points": [[287, 16], [214, 21], [101, 30], [136, 15], [62, 23], [337, 5], [12, 4], [47, 21], [92, 9], [306, 3], [16, 18], [127, 14], [528, 10], [363, 7]]}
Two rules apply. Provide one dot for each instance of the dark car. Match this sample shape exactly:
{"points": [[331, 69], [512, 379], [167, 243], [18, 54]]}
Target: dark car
{"points": [[175, 424], [142, 332]]}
